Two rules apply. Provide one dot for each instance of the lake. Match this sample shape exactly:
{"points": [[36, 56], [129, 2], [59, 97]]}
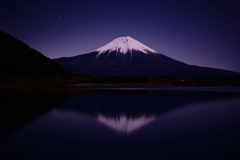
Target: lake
{"points": [[120, 123]]}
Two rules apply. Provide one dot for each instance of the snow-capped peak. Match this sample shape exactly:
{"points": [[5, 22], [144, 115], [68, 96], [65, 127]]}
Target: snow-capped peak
{"points": [[125, 44]]}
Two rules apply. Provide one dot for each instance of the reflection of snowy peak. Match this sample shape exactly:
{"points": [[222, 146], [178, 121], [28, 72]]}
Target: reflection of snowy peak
{"points": [[123, 124], [125, 44]]}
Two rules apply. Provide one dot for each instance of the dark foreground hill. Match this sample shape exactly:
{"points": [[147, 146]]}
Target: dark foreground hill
{"points": [[17, 58]]}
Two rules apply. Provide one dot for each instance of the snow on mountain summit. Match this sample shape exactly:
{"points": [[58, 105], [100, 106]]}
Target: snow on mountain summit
{"points": [[123, 45]]}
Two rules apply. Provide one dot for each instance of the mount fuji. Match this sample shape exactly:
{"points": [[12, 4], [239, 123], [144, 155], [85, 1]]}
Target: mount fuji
{"points": [[125, 56]]}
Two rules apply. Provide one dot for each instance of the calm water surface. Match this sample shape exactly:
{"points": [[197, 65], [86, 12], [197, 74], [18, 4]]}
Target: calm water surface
{"points": [[124, 123]]}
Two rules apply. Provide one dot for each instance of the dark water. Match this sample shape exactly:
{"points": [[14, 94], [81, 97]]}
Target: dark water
{"points": [[137, 123]]}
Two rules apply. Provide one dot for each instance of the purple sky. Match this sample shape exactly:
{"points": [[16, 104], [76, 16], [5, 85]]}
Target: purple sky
{"points": [[202, 32]]}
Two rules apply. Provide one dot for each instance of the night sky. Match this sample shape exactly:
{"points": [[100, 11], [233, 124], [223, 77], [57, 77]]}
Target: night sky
{"points": [[197, 32]]}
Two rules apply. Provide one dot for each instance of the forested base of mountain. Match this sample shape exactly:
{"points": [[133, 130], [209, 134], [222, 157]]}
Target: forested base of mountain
{"points": [[173, 81], [120, 80], [35, 79], [214, 81]]}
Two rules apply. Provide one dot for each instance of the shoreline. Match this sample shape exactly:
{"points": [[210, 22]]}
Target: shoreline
{"points": [[102, 85], [84, 85]]}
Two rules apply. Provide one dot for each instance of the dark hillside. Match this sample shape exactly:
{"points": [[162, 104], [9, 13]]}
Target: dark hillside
{"points": [[17, 58]]}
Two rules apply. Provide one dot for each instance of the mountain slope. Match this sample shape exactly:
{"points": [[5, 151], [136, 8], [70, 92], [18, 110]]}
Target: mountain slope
{"points": [[125, 56], [16, 58]]}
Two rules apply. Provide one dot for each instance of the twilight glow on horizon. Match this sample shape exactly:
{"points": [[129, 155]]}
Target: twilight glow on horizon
{"points": [[202, 32]]}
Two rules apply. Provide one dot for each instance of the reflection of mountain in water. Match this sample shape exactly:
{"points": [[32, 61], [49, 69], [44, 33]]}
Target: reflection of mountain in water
{"points": [[123, 124], [135, 103], [126, 111]]}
